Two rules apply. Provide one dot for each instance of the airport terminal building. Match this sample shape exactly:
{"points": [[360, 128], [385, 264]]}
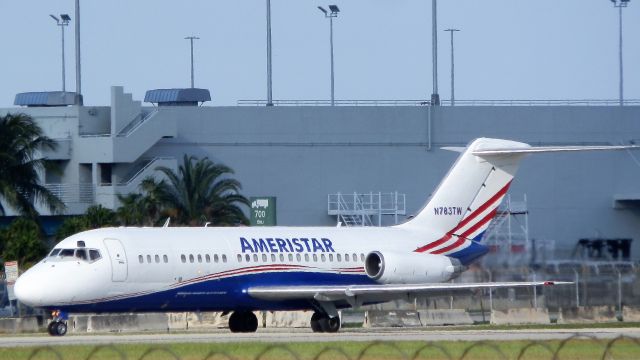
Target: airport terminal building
{"points": [[382, 160]]}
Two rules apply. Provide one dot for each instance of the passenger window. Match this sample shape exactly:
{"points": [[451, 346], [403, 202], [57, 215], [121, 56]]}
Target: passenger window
{"points": [[140, 259], [315, 257], [94, 254], [355, 257], [273, 257], [362, 257], [165, 258], [199, 258], [224, 258], [339, 257], [215, 257], [306, 257], [247, 257], [255, 258], [346, 257], [149, 259], [54, 252], [290, 257], [191, 258], [207, 258], [239, 258], [264, 257], [183, 258], [298, 257], [281, 257], [157, 258], [330, 257], [323, 258]]}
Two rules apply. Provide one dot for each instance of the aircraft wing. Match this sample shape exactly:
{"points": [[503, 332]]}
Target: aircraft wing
{"points": [[358, 294]]}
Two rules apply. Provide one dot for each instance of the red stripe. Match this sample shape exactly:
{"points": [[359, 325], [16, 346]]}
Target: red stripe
{"points": [[463, 237], [466, 220]]}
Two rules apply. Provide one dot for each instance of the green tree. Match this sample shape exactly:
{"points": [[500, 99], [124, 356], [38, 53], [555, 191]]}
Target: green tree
{"points": [[21, 241], [98, 216], [72, 225], [199, 192], [21, 140]]}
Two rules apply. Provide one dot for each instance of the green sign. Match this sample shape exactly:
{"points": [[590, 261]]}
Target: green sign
{"points": [[263, 211]]}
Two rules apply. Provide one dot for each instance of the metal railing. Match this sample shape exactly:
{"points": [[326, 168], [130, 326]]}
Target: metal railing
{"points": [[425, 102], [83, 193], [348, 207], [139, 168], [134, 124]]}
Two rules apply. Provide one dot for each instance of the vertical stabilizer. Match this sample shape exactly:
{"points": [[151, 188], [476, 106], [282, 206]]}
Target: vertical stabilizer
{"points": [[467, 199]]}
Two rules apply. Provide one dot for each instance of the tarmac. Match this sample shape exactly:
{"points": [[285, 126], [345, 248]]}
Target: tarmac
{"points": [[305, 335]]}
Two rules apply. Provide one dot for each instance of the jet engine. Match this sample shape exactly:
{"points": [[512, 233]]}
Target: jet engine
{"points": [[411, 268]]}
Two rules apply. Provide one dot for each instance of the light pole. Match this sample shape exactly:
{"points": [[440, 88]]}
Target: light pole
{"points": [[78, 68], [191, 38], [62, 22], [269, 85], [332, 13], [620, 4], [435, 98], [453, 98]]}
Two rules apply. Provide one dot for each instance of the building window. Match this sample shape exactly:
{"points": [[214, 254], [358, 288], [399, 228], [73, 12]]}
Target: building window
{"points": [[141, 259], [157, 258], [165, 258], [183, 258]]}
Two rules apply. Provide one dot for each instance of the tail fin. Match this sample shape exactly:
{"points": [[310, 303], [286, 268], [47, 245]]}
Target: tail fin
{"points": [[468, 197]]}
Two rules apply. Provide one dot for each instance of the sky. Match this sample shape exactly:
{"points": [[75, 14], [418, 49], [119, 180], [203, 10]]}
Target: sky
{"points": [[506, 49]]}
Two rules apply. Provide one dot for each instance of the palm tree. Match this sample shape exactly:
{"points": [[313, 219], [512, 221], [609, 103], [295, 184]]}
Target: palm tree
{"points": [[200, 192], [21, 140]]}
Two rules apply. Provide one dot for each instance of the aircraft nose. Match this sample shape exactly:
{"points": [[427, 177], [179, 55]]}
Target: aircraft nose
{"points": [[27, 289]]}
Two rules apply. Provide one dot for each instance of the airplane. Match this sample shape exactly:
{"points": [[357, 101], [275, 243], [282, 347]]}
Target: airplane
{"points": [[239, 270]]}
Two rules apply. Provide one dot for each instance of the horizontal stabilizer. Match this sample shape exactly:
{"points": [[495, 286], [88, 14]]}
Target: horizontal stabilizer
{"points": [[549, 149]]}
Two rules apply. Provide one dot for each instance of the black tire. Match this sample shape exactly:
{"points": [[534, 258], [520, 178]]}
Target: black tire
{"points": [[333, 324], [243, 321], [250, 323], [61, 328], [234, 323], [315, 322], [50, 328]]}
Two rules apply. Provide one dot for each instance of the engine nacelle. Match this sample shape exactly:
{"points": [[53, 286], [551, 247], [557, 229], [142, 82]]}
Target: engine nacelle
{"points": [[411, 268]]}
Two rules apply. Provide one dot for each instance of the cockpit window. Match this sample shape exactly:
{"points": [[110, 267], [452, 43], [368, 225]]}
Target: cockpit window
{"points": [[81, 254], [54, 252], [66, 252], [94, 254]]}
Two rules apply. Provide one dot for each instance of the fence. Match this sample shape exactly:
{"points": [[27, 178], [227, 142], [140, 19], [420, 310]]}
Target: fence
{"points": [[566, 348]]}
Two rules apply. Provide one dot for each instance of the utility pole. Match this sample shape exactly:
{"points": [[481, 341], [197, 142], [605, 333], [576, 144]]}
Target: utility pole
{"points": [[453, 97], [191, 38], [435, 98], [269, 85], [78, 68], [620, 4], [62, 22], [332, 13]]}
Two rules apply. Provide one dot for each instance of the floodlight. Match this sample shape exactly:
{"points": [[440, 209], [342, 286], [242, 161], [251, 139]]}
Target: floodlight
{"points": [[65, 17], [54, 18], [322, 9], [334, 9]]}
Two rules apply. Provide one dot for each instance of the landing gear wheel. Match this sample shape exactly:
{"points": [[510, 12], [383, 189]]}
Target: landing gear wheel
{"points": [[330, 324], [50, 328], [243, 321], [315, 322], [61, 329]]}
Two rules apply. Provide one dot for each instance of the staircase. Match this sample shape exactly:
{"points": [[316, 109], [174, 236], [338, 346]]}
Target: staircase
{"points": [[365, 209]]}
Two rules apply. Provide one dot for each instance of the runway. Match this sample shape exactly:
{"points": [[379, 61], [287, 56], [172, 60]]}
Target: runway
{"points": [[305, 335]]}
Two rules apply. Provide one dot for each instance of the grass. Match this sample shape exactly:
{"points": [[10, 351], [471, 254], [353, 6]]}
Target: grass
{"points": [[573, 349]]}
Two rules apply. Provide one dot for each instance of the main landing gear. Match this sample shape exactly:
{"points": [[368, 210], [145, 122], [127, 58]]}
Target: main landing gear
{"points": [[58, 325], [321, 322], [243, 321]]}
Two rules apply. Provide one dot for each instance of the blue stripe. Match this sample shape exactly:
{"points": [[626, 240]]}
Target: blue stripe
{"points": [[471, 253], [222, 294]]}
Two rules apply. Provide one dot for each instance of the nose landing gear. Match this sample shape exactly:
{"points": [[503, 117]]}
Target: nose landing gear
{"points": [[58, 325]]}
